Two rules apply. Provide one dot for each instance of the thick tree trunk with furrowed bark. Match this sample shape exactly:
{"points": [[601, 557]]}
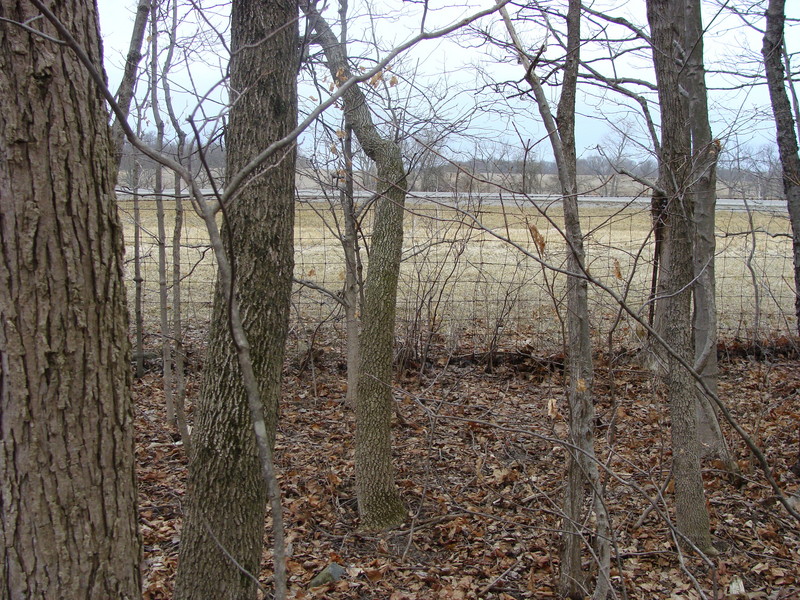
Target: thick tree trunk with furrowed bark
{"points": [[68, 491], [227, 496]]}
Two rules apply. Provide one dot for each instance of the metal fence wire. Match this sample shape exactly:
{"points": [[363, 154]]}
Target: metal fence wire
{"points": [[482, 270]]}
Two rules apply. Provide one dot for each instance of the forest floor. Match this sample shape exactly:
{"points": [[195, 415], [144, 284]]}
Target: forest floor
{"points": [[480, 465]]}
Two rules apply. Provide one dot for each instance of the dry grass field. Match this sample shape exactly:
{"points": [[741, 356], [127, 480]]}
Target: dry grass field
{"points": [[486, 271]]}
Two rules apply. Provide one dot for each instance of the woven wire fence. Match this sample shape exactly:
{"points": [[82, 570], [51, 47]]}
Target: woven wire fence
{"points": [[482, 271]]}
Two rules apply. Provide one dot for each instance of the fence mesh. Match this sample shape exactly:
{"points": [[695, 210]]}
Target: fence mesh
{"points": [[483, 271]]}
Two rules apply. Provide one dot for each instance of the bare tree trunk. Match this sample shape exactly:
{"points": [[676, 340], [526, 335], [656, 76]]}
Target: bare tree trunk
{"points": [[226, 497], [179, 397], [784, 125], [353, 284], [582, 471], [581, 373], [582, 467], [787, 62], [703, 191], [158, 189], [138, 280], [380, 506], [379, 502], [677, 271], [658, 204], [69, 524], [128, 82]]}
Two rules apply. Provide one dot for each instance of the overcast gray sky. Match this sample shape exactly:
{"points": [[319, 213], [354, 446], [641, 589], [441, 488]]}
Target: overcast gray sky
{"points": [[740, 116]]}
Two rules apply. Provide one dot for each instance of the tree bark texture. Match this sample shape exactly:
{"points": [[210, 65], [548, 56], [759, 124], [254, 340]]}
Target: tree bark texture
{"points": [[582, 471], [161, 237], [703, 190], [379, 502], [581, 375], [784, 126], [353, 292], [68, 490], [138, 280], [177, 231], [226, 499], [128, 82], [667, 19], [353, 284]]}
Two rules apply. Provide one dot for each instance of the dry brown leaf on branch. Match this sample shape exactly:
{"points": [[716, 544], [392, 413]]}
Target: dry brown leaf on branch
{"points": [[376, 79], [538, 238], [617, 269]]}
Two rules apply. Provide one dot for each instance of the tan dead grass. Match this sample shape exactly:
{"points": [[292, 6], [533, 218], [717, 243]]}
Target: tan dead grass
{"points": [[459, 278]]}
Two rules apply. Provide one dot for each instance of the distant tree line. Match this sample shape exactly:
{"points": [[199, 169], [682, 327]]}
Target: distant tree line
{"points": [[754, 175]]}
